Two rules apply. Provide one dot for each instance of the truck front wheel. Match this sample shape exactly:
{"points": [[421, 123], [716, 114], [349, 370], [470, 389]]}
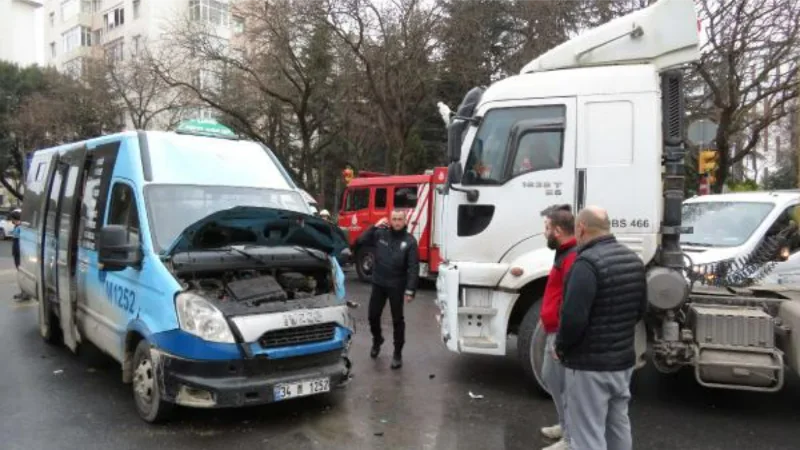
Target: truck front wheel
{"points": [[531, 345], [365, 263]]}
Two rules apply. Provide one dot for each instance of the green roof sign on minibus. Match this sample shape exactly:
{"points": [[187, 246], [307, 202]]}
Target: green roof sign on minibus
{"points": [[205, 127]]}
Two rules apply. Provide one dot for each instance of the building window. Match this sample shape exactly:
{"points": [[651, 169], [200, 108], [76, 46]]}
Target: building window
{"points": [[52, 49], [115, 51], [215, 12], [114, 19], [207, 80], [238, 24], [52, 19], [71, 8], [76, 37], [136, 9], [136, 43], [97, 6], [97, 39]]}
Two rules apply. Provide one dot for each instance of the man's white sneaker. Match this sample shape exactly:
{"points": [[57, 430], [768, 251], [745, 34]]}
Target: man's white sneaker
{"points": [[553, 432], [560, 445]]}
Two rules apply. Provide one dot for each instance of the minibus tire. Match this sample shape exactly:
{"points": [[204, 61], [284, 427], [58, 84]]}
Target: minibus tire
{"points": [[530, 348], [155, 410]]}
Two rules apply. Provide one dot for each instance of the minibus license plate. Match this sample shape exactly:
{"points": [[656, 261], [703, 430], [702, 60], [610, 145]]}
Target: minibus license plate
{"points": [[301, 388]]}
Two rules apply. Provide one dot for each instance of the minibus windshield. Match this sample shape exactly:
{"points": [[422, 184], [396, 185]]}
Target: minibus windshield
{"points": [[172, 208]]}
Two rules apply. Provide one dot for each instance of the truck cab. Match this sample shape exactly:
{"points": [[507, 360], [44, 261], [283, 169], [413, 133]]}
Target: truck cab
{"points": [[590, 122], [599, 120], [368, 199]]}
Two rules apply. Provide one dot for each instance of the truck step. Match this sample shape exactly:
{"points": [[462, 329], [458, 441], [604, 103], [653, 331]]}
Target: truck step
{"points": [[478, 342], [477, 311]]}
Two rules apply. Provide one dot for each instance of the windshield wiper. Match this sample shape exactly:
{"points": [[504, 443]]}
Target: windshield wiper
{"points": [[309, 252]]}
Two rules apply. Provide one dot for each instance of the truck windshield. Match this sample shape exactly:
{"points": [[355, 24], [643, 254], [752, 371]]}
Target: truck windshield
{"points": [[490, 152], [172, 208], [722, 224]]}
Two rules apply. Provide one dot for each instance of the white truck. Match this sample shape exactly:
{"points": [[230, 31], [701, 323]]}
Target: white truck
{"points": [[596, 120]]}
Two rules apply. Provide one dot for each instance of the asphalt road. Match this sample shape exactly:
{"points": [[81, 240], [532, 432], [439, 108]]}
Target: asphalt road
{"points": [[51, 399]]}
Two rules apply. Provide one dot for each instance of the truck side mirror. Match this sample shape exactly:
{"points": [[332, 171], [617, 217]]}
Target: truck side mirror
{"points": [[454, 173], [455, 133], [115, 252]]}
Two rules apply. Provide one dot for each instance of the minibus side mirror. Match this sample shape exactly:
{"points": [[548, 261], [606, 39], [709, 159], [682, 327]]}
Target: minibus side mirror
{"points": [[115, 252]]}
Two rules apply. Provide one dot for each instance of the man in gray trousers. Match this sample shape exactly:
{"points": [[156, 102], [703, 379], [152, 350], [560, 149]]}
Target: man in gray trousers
{"points": [[605, 297]]}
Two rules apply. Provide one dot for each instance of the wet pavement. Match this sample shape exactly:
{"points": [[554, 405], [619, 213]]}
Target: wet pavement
{"points": [[50, 399]]}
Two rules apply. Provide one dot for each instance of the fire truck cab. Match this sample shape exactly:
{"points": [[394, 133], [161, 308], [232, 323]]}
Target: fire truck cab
{"points": [[371, 196]]}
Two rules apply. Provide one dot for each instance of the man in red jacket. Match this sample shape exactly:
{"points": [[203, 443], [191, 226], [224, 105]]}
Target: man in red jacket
{"points": [[559, 229]]}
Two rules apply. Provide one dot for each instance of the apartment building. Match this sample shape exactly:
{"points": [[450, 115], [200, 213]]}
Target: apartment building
{"points": [[76, 30], [19, 37]]}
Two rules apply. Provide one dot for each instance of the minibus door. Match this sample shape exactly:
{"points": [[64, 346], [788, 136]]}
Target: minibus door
{"points": [[72, 172], [45, 281]]}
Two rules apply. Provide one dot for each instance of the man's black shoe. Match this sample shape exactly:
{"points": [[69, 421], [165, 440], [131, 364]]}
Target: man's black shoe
{"points": [[397, 362], [376, 349]]}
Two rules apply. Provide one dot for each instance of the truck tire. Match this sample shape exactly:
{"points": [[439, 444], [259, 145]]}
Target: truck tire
{"points": [[49, 328], [530, 348], [365, 263], [146, 392]]}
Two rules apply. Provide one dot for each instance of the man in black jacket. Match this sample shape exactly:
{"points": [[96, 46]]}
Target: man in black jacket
{"points": [[605, 297], [394, 276]]}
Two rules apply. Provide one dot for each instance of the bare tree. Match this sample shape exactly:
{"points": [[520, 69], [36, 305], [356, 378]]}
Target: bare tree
{"points": [[149, 100], [273, 81], [747, 75], [393, 44]]}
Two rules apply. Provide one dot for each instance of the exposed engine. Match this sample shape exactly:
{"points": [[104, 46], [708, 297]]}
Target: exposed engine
{"points": [[255, 288]]}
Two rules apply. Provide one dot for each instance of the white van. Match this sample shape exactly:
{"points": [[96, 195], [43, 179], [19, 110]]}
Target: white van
{"points": [[731, 226]]}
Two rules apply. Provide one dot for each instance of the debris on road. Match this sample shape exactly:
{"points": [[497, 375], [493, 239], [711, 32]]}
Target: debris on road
{"points": [[475, 396], [58, 372], [431, 376]]}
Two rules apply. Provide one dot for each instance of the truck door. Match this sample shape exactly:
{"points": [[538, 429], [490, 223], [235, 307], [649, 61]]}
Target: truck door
{"points": [[521, 160], [356, 214], [72, 173]]}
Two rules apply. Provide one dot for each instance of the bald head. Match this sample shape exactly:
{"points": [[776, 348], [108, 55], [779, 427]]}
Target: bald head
{"points": [[591, 222]]}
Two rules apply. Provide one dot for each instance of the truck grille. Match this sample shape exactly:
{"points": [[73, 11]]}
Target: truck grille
{"points": [[296, 336]]}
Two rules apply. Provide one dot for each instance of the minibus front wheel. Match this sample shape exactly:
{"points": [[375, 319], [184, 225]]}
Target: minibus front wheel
{"points": [[146, 390]]}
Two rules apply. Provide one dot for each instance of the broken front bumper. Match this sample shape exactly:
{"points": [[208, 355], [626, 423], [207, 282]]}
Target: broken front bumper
{"points": [[243, 382]]}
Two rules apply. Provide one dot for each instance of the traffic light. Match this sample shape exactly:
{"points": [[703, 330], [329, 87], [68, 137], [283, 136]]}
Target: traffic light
{"points": [[707, 163]]}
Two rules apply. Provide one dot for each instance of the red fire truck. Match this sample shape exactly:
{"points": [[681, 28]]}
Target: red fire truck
{"points": [[371, 196]]}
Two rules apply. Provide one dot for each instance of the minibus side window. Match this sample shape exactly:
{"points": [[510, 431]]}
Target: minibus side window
{"points": [[98, 179], [33, 196], [123, 211]]}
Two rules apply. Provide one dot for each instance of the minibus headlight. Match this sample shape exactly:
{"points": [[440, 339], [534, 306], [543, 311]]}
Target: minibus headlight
{"points": [[199, 317]]}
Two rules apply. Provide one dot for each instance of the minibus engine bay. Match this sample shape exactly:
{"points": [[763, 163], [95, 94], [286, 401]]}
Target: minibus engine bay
{"points": [[257, 279]]}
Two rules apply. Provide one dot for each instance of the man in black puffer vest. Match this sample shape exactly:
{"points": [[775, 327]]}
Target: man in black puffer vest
{"points": [[605, 297], [394, 276]]}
